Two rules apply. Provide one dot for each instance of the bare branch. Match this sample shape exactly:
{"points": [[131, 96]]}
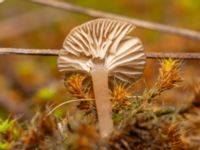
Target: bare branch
{"points": [[140, 23], [24, 51], [55, 52], [156, 55]]}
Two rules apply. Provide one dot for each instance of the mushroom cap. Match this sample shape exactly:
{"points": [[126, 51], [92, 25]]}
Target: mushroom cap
{"points": [[103, 42]]}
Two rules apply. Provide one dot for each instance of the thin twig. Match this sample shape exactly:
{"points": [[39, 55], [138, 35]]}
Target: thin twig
{"points": [[24, 51], [67, 102], [55, 52], [140, 23], [173, 55]]}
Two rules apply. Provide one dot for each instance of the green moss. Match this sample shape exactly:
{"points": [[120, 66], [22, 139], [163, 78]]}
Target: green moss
{"points": [[4, 146], [6, 125], [46, 94]]}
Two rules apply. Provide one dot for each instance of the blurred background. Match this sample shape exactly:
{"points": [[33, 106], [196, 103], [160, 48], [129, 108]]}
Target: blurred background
{"points": [[27, 80]]}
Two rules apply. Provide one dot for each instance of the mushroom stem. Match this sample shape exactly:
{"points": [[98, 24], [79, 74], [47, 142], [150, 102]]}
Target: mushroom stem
{"points": [[102, 99]]}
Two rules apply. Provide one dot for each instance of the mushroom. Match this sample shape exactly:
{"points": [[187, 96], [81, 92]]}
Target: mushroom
{"points": [[102, 49]]}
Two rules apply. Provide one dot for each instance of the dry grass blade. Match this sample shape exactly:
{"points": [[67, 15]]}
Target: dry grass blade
{"points": [[67, 102]]}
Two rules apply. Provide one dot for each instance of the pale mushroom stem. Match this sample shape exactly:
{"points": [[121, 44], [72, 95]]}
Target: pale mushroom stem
{"points": [[103, 104]]}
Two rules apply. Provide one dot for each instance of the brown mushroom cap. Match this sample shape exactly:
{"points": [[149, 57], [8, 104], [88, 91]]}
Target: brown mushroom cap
{"points": [[105, 42]]}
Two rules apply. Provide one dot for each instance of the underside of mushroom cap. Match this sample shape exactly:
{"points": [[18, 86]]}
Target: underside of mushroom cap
{"points": [[103, 41]]}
